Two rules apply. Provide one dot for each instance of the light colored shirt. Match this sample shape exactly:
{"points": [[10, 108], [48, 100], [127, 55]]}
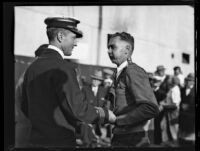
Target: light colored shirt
{"points": [[56, 49], [181, 79], [175, 95], [160, 78], [95, 89], [120, 68], [188, 90]]}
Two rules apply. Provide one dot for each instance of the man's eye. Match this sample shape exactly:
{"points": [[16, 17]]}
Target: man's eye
{"points": [[111, 47]]}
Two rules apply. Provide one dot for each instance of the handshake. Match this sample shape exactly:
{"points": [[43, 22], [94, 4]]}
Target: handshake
{"points": [[111, 117], [106, 114]]}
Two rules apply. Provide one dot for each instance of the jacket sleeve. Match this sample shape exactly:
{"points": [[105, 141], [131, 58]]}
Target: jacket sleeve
{"points": [[72, 100], [140, 90]]}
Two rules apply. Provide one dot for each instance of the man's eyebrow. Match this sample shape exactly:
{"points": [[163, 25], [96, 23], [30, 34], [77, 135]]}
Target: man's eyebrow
{"points": [[110, 45]]}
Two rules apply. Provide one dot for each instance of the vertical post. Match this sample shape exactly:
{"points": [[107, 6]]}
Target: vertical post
{"points": [[99, 35]]}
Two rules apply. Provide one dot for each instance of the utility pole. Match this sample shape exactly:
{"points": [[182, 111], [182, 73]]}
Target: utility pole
{"points": [[99, 35]]}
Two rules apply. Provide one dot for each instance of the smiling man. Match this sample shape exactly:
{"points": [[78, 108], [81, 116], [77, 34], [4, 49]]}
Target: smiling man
{"points": [[53, 100], [133, 100]]}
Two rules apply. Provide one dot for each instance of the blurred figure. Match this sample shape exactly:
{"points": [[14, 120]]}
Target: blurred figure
{"points": [[95, 94], [160, 73], [154, 82], [170, 105], [161, 90], [108, 78], [108, 81], [22, 123], [187, 112], [133, 101], [178, 73]]}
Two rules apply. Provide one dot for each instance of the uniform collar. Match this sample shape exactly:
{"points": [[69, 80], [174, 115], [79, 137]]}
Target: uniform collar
{"points": [[56, 49], [122, 66]]}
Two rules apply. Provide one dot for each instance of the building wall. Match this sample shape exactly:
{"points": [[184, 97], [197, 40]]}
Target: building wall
{"points": [[159, 32]]}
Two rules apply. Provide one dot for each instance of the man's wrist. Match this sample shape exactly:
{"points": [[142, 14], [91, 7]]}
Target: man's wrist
{"points": [[106, 119], [102, 115]]}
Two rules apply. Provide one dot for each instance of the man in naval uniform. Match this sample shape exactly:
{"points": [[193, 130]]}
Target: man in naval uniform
{"points": [[55, 104]]}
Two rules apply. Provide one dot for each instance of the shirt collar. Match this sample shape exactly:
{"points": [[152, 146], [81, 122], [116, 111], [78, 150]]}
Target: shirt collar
{"points": [[56, 49], [122, 66]]}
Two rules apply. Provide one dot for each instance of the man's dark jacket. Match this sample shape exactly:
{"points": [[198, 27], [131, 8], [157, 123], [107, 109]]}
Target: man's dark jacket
{"points": [[133, 101], [187, 114], [54, 103]]}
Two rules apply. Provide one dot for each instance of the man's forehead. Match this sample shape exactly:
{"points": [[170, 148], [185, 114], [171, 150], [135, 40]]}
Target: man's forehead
{"points": [[115, 40]]}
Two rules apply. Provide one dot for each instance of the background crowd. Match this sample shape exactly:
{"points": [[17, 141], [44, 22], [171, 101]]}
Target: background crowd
{"points": [[175, 125]]}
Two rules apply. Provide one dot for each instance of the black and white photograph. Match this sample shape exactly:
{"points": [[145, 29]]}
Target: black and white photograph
{"points": [[104, 76]]}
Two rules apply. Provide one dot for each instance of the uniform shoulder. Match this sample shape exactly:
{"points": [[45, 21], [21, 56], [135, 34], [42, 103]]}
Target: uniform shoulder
{"points": [[133, 67]]}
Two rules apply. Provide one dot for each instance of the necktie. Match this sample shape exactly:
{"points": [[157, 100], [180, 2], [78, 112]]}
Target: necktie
{"points": [[114, 77]]}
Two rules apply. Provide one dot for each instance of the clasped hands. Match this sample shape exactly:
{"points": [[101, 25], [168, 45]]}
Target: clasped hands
{"points": [[111, 117]]}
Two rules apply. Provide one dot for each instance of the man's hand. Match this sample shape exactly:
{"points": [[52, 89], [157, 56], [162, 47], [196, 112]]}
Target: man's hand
{"points": [[112, 117]]}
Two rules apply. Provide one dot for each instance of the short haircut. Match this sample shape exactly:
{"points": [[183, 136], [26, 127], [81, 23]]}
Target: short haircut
{"points": [[123, 36], [52, 32]]}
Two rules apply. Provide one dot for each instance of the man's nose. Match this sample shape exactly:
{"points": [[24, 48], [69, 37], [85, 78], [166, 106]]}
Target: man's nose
{"points": [[109, 50], [75, 42]]}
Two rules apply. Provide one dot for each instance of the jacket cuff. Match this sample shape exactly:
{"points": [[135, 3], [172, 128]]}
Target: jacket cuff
{"points": [[106, 120], [120, 120], [103, 114]]}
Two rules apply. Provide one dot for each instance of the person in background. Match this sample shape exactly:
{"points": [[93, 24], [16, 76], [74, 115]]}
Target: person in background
{"points": [[55, 104], [108, 81], [154, 84], [22, 123], [178, 73], [187, 112], [161, 90], [108, 77], [95, 92], [170, 105], [133, 102], [95, 95]]}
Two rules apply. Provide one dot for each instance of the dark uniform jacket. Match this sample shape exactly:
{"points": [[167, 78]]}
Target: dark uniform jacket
{"points": [[133, 100], [54, 103], [187, 113], [99, 99], [22, 123]]}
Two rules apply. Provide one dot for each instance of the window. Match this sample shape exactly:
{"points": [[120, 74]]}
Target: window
{"points": [[172, 55], [185, 58]]}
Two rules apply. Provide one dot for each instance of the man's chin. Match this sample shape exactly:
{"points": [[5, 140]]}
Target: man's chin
{"points": [[68, 53]]}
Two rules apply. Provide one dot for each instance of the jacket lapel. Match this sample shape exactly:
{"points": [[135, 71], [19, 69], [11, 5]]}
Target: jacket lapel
{"points": [[119, 77]]}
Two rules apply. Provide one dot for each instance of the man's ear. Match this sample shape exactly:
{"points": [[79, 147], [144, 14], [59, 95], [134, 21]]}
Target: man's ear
{"points": [[59, 36], [128, 49]]}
